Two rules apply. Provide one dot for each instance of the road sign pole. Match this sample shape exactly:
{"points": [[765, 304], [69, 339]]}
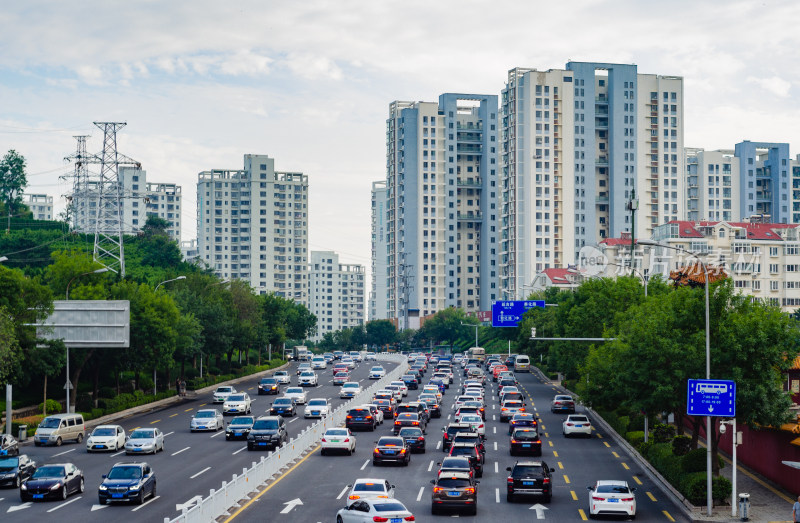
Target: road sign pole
{"points": [[67, 384], [8, 409]]}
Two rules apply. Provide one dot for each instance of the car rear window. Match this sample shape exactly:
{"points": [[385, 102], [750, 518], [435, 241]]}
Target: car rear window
{"points": [[389, 507], [579, 419], [391, 441], [521, 471], [411, 432], [612, 489], [463, 451], [359, 412], [337, 432], [564, 398], [526, 435], [369, 487], [453, 483]]}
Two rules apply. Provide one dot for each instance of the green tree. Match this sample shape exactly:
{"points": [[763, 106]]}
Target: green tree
{"points": [[12, 182], [380, 332], [9, 346], [445, 326], [45, 359]]}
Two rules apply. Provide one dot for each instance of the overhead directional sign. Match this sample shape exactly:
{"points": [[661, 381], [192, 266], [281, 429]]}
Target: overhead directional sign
{"points": [[711, 398], [508, 313]]}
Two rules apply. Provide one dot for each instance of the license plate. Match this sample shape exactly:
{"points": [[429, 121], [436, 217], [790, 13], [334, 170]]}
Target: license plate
{"points": [[456, 493], [396, 520], [579, 426], [262, 444], [116, 495], [237, 434], [612, 500], [38, 496], [527, 483], [526, 445], [358, 419], [137, 450], [336, 441], [315, 413], [390, 452]]}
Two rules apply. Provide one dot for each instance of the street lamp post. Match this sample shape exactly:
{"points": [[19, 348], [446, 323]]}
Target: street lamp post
{"points": [[476, 330], [155, 389], [167, 281], [708, 357]]}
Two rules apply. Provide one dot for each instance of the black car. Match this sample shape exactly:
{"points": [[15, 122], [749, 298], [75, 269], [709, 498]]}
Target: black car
{"points": [[471, 437], [15, 469], [531, 478], [410, 381], [268, 432], [127, 481], [525, 441], [391, 449], [239, 427], [361, 418], [456, 464], [408, 419], [52, 481], [9, 446], [283, 407], [450, 431], [386, 407], [521, 419], [268, 386], [471, 451], [434, 408], [456, 490], [414, 438]]}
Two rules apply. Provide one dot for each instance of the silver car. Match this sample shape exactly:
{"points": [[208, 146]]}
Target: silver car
{"points": [[207, 419], [222, 393], [143, 441], [282, 376]]}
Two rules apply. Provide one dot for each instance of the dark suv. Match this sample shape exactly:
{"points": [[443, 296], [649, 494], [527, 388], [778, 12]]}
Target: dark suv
{"points": [[525, 440], [360, 418], [417, 408], [408, 419], [268, 432], [471, 437], [268, 386], [449, 432], [127, 481], [471, 451], [456, 490], [529, 478]]}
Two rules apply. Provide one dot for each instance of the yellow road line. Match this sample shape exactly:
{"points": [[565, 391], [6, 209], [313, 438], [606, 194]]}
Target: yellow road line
{"points": [[574, 496], [154, 422], [637, 480], [546, 435], [560, 466], [190, 408], [599, 436], [555, 453], [652, 497], [583, 514], [566, 479], [244, 507], [550, 443], [543, 428], [606, 444], [668, 516], [173, 415], [625, 465], [203, 404], [615, 454]]}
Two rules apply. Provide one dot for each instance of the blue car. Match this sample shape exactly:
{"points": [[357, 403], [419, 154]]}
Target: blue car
{"points": [[128, 482], [439, 383]]}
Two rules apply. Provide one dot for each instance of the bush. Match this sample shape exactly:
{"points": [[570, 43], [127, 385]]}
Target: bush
{"points": [[96, 413], [644, 447], [694, 461], [53, 407], [552, 375], [721, 488], [621, 425], [663, 432], [680, 445], [107, 392], [637, 423], [694, 487], [635, 438], [661, 457]]}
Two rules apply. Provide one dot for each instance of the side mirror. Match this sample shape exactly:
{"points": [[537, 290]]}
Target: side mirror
{"points": [[589, 488], [552, 469], [508, 469], [477, 482], [433, 482], [633, 489], [349, 486], [103, 476]]}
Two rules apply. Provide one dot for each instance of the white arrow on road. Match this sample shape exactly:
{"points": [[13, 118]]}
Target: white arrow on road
{"points": [[20, 507], [290, 505], [189, 504], [98, 507], [539, 508]]}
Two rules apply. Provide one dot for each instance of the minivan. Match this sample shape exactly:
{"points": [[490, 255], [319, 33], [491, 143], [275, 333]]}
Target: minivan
{"points": [[57, 428], [522, 364]]}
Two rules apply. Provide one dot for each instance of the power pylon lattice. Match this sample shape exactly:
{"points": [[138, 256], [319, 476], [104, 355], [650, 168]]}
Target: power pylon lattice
{"points": [[80, 182]]}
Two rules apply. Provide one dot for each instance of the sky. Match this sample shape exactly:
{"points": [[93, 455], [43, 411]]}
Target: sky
{"points": [[202, 83]]}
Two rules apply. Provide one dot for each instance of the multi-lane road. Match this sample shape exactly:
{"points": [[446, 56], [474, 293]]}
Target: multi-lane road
{"points": [[191, 464]]}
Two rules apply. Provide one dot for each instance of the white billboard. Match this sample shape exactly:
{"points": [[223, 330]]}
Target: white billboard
{"points": [[89, 323]]}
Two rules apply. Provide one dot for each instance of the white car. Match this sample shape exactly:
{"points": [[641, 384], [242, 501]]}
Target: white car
{"points": [[378, 413], [369, 510], [283, 377], [338, 438], [317, 408], [300, 396], [370, 356], [402, 385], [356, 356], [144, 440], [461, 400], [222, 393], [370, 488], [350, 362], [576, 424], [106, 437], [396, 392], [377, 372], [318, 362], [612, 497], [308, 379], [475, 420], [350, 389], [239, 403], [207, 419]]}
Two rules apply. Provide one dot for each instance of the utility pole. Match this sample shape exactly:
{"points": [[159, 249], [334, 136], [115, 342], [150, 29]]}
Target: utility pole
{"points": [[633, 205]]}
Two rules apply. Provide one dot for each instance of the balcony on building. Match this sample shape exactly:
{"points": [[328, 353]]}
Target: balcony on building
{"points": [[469, 182], [463, 148], [601, 123], [601, 161], [470, 217]]}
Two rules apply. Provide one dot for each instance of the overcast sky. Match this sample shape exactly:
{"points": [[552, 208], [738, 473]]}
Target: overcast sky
{"points": [[201, 83]]}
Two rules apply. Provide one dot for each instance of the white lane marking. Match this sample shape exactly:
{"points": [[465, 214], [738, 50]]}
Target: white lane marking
{"points": [[438, 444], [495, 445], [118, 453], [168, 433], [218, 434], [534, 408], [341, 493], [494, 430], [497, 495], [238, 451], [145, 504], [65, 452], [365, 465], [204, 470], [98, 507], [292, 420], [64, 504], [182, 450], [430, 466], [421, 491], [448, 416], [495, 467], [493, 418], [15, 508]]}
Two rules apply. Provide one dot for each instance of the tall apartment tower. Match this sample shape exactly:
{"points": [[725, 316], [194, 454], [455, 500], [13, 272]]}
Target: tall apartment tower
{"points": [[765, 186], [576, 144], [441, 210], [336, 293], [41, 205], [252, 224], [378, 309], [712, 185]]}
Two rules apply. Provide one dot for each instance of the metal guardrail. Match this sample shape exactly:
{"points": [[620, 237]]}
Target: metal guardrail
{"points": [[228, 495]]}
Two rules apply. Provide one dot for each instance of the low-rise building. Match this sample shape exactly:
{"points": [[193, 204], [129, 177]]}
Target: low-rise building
{"points": [[41, 205]]}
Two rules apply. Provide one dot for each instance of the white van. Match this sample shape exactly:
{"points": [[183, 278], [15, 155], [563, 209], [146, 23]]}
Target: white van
{"points": [[522, 364]]}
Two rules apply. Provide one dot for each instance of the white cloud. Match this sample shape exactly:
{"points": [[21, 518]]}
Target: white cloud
{"points": [[776, 85]]}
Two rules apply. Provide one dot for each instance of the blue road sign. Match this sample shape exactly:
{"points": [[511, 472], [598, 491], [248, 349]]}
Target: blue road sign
{"points": [[509, 313], [711, 398]]}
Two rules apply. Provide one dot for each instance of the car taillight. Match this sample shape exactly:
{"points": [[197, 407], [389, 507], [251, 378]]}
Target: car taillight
{"points": [[437, 489], [539, 441], [626, 499], [409, 518], [470, 490], [569, 424], [598, 498], [397, 423], [380, 519], [415, 423], [510, 480], [402, 451], [325, 441], [349, 417], [546, 481], [513, 441], [446, 436], [354, 496], [346, 440], [368, 417]]}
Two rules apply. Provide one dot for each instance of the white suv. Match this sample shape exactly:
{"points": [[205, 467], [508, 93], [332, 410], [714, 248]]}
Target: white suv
{"points": [[222, 393]]}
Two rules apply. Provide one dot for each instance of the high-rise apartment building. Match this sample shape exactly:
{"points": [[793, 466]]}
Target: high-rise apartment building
{"points": [[712, 185], [252, 224], [41, 205], [576, 144], [378, 309], [441, 210], [336, 293], [766, 185]]}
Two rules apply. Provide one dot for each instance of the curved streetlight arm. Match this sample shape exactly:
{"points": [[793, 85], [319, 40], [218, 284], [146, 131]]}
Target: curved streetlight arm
{"points": [[98, 271], [167, 281], [636, 272]]}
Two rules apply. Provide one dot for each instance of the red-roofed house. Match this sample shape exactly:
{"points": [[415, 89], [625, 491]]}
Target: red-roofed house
{"points": [[561, 278]]}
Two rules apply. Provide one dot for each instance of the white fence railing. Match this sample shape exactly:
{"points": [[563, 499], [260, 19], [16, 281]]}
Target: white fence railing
{"points": [[220, 500]]}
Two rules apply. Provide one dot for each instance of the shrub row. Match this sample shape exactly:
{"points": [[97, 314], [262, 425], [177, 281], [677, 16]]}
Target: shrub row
{"points": [[211, 379]]}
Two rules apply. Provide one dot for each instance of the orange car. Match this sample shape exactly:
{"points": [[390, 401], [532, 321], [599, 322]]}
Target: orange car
{"points": [[497, 370]]}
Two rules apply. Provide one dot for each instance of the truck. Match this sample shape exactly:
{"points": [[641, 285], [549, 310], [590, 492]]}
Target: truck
{"points": [[298, 353], [478, 353]]}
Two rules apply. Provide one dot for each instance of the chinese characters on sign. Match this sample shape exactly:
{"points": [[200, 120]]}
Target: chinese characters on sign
{"points": [[711, 398]]}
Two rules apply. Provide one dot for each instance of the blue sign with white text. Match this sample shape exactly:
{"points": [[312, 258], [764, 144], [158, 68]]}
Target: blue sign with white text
{"points": [[711, 398], [508, 313]]}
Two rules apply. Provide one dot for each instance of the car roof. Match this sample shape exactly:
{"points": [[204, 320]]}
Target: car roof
{"points": [[529, 463], [369, 480], [206, 410], [107, 426]]}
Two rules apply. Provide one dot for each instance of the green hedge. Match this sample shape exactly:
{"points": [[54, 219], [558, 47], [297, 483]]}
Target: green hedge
{"points": [[213, 379], [53, 407], [635, 438]]}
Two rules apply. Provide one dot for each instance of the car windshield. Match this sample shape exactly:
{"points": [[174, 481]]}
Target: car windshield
{"points": [[612, 489], [453, 483], [521, 471], [410, 433], [307, 374], [317, 403], [269, 381], [50, 423], [236, 397], [104, 431], [374, 369], [350, 385], [389, 507], [336, 432], [294, 390], [49, 472], [142, 434], [340, 375], [282, 401], [242, 421], [526, 435], [6, 463], [369, 487], [262, 424], [223, 389], [281, 373], [125, 473], [205, 414]]}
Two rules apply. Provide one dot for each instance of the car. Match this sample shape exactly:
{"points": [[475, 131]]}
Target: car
{"points": [[57, 428], [455, 490], [496, 370], [473, 420], [317, 408], [239, 403], [268, 386], [522, 419], [471, 451], [145, 440], [9, 446], [460, 400], [478, 406], [505, 382], [377, 372], [414, 438], [282, 377], [303, 367], [15, 469], [222, 393], [356, 355], [510, 408], [377, 412], [351, 363], [576, 424], [340, 378], [369, 488], [350, 389], [511, 395], [360, 417], [297, 393], [128, 482], [529, 478], [386, 407], [434, 407], [468, 409], [400, 385], [391, 449], [449, 432], [338, 438], [370, 356], [407, 419], [443, 376], [385, 395], [53, 481], [369, 510], [207, 419], [319, 362], [471, 437], [439, 383], [239, 427], [337, 354], [525, 440], [432, 389], [308, 379], [455, 464], [421, 409], [106, 437], [563, 403], [341, 367], [283, 406], [612, 498], [268, 432]]}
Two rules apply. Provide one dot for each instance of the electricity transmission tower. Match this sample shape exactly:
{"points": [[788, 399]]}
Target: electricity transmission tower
{"points": [[80, 181]]}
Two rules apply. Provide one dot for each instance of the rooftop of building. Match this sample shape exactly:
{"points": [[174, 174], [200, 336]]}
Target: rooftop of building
{"points": [[558, 276], [752, 230]]}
